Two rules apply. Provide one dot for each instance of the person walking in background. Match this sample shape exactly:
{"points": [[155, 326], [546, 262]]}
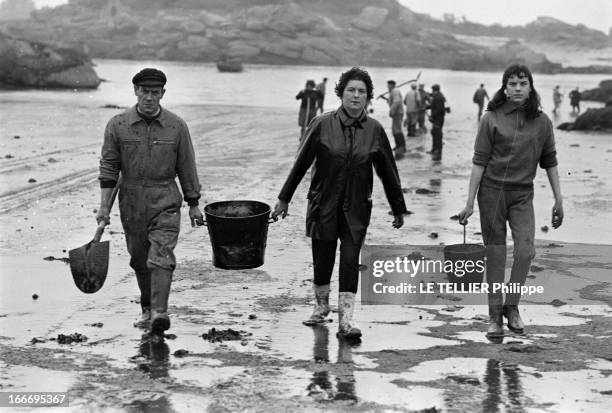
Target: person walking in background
{"points": [[437, 111], [308, 107], [557, 98], [321, 88], [344, 146], [424, 101], [412, 103], [513, 137], [396, 113], [150, 146], [479, 97], [575, 97]]}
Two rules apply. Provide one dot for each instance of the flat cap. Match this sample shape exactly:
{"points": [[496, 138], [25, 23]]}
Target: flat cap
{"points": [[149, 77], [435, 87]]}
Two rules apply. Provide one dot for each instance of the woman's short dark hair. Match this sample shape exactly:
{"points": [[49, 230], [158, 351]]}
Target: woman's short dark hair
{"points": [[355, 73], [532, 105]]}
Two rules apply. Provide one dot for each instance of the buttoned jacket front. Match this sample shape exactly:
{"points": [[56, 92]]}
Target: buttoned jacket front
{"points": [[152, 154]]}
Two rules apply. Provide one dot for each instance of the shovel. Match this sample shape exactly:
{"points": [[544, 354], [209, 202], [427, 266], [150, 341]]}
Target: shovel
{"points": [[89, 263]]}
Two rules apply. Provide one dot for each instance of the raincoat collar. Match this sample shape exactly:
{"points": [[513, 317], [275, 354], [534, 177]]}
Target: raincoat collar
{"points": [[348, 121]]}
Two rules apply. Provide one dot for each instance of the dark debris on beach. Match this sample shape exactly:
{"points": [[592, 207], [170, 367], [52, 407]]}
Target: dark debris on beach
{"points": [[219, 336]]}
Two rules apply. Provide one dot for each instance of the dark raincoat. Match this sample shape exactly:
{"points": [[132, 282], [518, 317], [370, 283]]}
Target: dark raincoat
{"points": [[342, 176]]}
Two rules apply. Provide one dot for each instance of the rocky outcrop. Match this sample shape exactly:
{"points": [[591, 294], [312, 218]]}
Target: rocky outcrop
{"points": [[592, 120], [38, 65], [332, 32], [370, 19], [601, 94], [560, 33]]}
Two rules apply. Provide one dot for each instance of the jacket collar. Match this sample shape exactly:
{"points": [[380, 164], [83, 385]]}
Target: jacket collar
{"points": [[510, 107], [134, 117], [346, 120]]}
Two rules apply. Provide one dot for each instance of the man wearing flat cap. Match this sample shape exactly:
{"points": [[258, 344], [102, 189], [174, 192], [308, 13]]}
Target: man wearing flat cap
{"points": [[150, 146]]}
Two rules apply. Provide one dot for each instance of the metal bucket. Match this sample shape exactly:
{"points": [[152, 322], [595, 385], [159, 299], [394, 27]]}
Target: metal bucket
{"points": [[238, 232], [459, 255]]}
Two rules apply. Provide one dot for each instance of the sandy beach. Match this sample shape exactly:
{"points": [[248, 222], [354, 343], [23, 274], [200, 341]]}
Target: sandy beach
{"points": [[412, 358]]}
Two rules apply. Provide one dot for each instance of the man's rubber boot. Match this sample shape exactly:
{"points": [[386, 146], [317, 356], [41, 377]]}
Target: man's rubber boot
{"points": [[346, 306], [144, 285], [515, 324], [321, 309], [145, 319], [160, 291], [496, 328]]}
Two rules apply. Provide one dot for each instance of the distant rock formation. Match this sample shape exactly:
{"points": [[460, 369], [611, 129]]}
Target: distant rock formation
{"points": [[331, 32], [601, 94], [25, 64]]}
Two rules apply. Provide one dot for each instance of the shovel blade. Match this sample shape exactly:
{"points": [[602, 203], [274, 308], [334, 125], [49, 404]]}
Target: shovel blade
{"points": [[89, 266]]}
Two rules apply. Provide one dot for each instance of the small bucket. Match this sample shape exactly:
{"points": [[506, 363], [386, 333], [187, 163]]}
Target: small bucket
{"points": [[238, 232], [468, 262]]}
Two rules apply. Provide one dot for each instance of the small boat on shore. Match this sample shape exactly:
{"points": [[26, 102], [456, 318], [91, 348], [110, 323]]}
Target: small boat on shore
{"points": [[229, 65]]}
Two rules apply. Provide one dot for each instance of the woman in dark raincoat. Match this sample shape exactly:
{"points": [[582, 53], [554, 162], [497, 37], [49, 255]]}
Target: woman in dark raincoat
{"points": [[344, 146]]}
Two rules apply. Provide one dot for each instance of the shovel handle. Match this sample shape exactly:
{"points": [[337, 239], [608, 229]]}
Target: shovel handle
{"points": [[99, 231], [111, 201]]}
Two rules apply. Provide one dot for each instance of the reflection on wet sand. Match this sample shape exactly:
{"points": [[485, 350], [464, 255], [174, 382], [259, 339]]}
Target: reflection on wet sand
{"points": [[494, 400], [320, 386], [156, 355]]}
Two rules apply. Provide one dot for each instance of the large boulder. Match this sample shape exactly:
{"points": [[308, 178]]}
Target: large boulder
{"points": [[601, 94], [288, 50], [595, 119], [242, 50], [193, 47], [38, 65], [288, 19]]}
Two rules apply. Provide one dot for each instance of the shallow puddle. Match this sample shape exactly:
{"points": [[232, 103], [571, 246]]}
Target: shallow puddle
{"points": [[204, 376], [30, 378]]}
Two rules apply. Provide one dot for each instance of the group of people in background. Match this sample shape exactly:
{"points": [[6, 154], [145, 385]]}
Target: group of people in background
{"points": [[405, 112], [409, 111], [575, 98], [414, 105]]}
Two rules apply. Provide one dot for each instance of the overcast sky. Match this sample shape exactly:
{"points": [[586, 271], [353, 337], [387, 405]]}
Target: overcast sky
{"points": [[596, 14]]}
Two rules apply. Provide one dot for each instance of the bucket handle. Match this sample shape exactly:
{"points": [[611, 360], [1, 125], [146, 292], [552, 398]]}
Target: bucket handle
{"points": [[270, 221], [195, 225]]}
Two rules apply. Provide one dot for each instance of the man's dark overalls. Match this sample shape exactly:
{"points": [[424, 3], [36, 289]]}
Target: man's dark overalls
{"points": [[149, 157]]}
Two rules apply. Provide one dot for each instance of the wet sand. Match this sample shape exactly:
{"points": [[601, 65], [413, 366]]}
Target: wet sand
{"points": [[412, 358]]}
